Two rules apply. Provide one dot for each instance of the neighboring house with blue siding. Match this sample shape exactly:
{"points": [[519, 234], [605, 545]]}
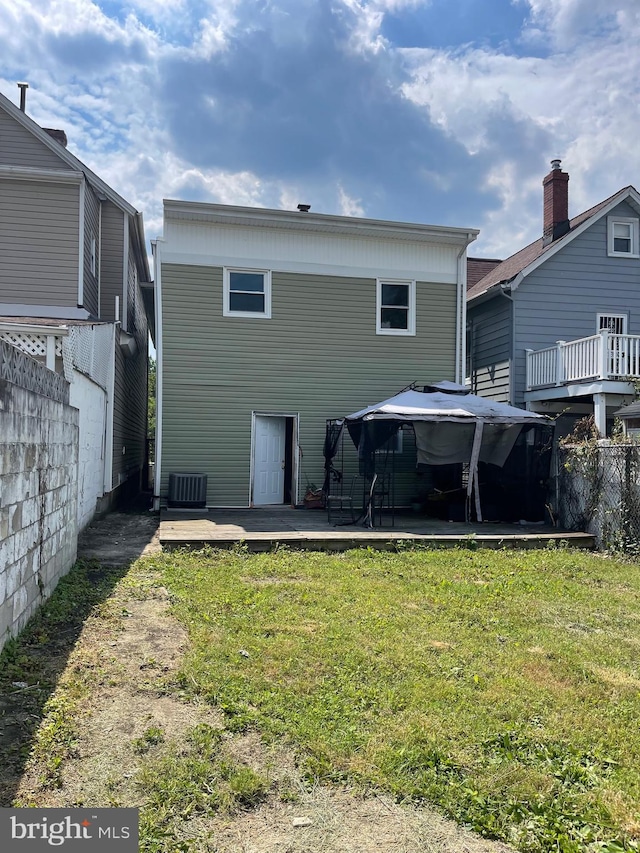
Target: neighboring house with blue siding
{"points": [[556, 327], [75, 293], [270, 322]]}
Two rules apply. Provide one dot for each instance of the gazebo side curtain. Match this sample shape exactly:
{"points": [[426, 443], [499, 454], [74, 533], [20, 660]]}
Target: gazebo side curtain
{"points": [[369, 436], [332, 438]]}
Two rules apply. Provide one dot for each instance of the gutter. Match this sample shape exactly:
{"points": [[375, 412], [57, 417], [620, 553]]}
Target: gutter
{"points": [[157, 271]]}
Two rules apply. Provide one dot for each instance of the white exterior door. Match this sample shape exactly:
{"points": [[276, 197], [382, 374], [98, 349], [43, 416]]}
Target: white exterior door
{"points": [[269, 460]]}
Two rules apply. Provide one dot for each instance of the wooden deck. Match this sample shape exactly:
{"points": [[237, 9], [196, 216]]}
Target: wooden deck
{"points": [[265, 528]]}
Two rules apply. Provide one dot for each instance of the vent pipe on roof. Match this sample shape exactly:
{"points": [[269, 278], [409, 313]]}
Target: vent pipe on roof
{"points": [[304, 208], [556, 204], [23, 95]]}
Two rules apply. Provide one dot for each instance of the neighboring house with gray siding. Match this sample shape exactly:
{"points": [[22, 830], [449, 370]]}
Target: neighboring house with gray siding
{"points": [[75, 293], [556, 327], [272, 321]]}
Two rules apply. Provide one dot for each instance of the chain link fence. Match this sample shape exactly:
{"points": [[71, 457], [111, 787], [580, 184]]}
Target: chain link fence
{"points": [[599, 492]]}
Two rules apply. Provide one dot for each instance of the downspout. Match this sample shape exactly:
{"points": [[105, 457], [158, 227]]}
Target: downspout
{"points": [[157, 275], [111, 391], [461, 313]]}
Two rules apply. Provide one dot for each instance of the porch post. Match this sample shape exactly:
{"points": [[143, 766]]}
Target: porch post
{"points": [[472, 485], [51, 352], [604, 353], [600, 413], [529, 379], [559, 363]]}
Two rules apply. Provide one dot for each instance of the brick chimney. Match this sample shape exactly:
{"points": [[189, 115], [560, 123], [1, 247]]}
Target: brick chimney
{"points": [[556, 204], [59, 135]]}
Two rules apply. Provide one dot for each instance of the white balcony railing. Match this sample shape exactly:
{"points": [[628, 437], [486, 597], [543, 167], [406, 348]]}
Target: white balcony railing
{"points": [[601, 356]]}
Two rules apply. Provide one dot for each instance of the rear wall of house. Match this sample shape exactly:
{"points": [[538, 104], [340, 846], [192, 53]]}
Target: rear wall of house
{"points": [[319, 357]]}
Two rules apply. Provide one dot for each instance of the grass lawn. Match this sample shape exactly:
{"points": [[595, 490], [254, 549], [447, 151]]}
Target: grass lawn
{"points": [[501, 687], [504, 687]]}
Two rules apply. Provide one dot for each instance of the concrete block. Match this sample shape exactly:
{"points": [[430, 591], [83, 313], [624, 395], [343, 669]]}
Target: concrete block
{"points": [[19, 603], [26, 540], [7, 552], [15, 518], [4, 522], [48, 549], [32, 592], [30, 511], [6, 619], [13, 578], [3, 587], [11, 489]]}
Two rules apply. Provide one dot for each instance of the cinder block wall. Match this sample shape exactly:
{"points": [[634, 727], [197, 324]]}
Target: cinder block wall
{"points": [[38, 494]]}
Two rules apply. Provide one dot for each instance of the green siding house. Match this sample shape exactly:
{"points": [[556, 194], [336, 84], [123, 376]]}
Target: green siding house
{"points": [[271, 321]]}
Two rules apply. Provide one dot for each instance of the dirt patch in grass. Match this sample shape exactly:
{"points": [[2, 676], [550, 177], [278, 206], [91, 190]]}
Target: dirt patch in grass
{"points": [[120, 711]]}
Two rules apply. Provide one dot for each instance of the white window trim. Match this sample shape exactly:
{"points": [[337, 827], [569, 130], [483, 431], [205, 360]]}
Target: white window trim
{"points": [[411, 318], [617, 314], [226, 280], [635, 236]]}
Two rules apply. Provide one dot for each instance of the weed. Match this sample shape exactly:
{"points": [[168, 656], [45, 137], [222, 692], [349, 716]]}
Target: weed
{"points": [[151, 737], [188, 781]]}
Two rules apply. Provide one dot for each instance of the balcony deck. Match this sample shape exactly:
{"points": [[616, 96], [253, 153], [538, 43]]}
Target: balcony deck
{"points": [[600, 357]]}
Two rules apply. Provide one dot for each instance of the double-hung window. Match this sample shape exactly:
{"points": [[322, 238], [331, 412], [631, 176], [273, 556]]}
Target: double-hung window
{"points": [[395, 307], [623, 238], [246, 293]]}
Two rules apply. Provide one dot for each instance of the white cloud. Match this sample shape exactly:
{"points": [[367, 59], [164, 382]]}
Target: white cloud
{"points": [[349, 206], [567, 22], [580, 103]]}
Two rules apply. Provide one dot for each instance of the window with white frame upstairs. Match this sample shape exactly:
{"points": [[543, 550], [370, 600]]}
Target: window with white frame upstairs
{"points": [[623, 237], [246, 293], [395, 307]]}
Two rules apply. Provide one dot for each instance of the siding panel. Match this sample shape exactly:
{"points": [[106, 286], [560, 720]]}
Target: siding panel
{"points": [[90, 280], [39, 222], [19, 147], [111, 259], [318, 356], [490, 348]]}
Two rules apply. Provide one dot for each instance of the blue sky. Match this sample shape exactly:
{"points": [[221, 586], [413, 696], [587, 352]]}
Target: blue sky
{"points": [[437, 111]]}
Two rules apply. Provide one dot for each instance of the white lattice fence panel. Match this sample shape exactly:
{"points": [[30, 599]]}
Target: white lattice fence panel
{"points": [[82, 347], [92, 351], [33, 345]]}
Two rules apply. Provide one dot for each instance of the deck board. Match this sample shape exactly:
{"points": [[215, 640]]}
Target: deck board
{"points": [[265, 528]]}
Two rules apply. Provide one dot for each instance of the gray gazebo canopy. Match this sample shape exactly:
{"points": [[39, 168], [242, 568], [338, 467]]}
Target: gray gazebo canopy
{"points": [[450, 426]]}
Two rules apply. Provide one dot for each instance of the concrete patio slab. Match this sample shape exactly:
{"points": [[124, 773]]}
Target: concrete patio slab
{"points": [[262, 529]]}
